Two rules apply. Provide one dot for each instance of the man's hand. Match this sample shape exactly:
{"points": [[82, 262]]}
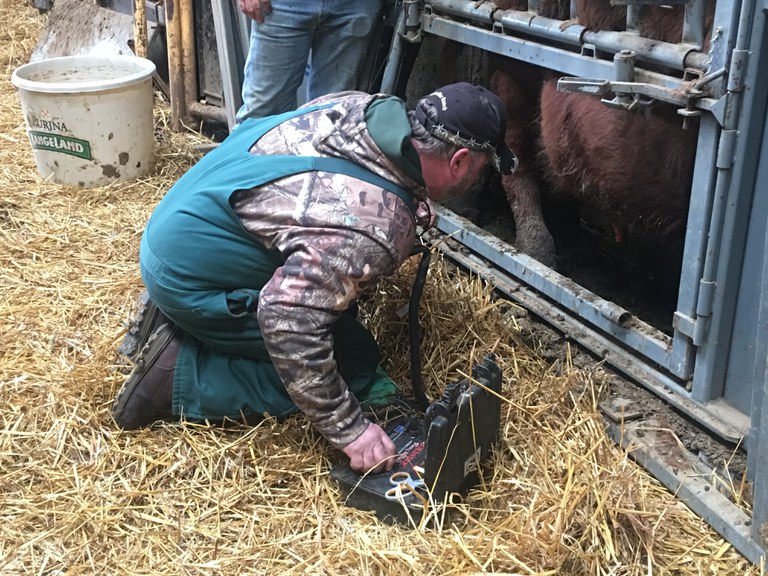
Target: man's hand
{"points": [[256, 9], [372, 451]]}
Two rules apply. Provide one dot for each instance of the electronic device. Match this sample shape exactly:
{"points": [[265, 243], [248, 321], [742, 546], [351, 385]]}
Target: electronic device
{"points": [[439, 452]]}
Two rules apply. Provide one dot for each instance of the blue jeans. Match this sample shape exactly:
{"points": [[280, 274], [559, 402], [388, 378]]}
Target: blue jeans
{"points": [[336, 32]]}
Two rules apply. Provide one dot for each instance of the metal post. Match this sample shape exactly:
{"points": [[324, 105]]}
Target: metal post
{"points": [[624, 66], [395, 57], [140, 28], [188, 56], [693, 24], [758, 438], [633, 18], [760, 504], [711, 387], [227, 38], [175, 64]]}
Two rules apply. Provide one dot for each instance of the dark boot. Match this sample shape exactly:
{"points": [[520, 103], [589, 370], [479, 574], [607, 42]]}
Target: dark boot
{"points": [[147, 394], [147, 320]]}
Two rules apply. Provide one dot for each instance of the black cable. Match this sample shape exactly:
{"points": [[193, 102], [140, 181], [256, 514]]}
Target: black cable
{"points": [[414, 327]]}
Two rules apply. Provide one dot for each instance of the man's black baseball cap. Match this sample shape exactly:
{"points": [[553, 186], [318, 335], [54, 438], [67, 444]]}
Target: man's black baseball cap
{"points": [[470, 116]]}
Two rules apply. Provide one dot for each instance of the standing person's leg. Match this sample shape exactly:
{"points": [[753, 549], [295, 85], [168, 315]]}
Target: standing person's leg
{"points": [[340, 45], [277, 55]]}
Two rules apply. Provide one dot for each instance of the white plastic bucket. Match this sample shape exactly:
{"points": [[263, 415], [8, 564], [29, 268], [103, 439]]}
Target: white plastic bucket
{"points": [[89, 118]]}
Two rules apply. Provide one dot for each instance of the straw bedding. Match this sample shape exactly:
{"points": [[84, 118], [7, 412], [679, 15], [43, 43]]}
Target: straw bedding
{"points": [[81, 497]]}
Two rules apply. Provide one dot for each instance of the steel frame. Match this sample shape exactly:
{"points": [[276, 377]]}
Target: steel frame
{"points": [[489, 29], [687, 369]]}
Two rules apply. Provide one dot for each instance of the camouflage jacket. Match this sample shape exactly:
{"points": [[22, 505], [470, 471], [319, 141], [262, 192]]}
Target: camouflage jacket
{"points": [[336, 235]]}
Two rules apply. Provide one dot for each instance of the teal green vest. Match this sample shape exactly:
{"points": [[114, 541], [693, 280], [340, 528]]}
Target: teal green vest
{"points": [[194, 252], [194, 232]]}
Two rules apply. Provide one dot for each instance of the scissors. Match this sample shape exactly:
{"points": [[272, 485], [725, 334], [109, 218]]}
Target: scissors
{"points": [[404, 486]]}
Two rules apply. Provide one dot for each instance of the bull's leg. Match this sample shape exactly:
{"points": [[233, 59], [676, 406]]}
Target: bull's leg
{"points": [[532, 235], [518, 86]]}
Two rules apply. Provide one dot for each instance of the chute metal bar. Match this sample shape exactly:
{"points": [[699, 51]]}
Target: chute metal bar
{"points": [[674, 56], [687, 483], [569, 63], [648, 342]]}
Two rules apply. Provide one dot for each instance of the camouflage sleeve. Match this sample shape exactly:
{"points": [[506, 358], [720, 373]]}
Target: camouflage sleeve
{"points": [[324, 271]]}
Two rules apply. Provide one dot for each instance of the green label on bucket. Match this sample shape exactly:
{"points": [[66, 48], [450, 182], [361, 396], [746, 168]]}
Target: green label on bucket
{"points": [[63, 144]]}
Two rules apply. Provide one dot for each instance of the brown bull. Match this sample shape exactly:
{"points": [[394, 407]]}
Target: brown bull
{"points": [[628, 172]]}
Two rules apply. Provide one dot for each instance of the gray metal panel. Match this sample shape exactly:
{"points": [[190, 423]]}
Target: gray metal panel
{"points": [[757, 444], [551, 57], [758, 462], [723, 263], [748, 363], [699, 212], [748, 348], [749, 334]]}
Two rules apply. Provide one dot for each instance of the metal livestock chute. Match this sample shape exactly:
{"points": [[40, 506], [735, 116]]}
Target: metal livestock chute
{"points": [[712, 364]]}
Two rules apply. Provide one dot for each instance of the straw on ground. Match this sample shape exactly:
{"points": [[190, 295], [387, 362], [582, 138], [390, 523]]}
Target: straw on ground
{"points": [[81, 497]]}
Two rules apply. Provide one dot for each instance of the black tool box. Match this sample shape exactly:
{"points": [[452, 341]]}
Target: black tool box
{"points": [[439, 451]]}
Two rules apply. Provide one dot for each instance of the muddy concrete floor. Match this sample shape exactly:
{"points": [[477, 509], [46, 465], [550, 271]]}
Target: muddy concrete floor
{"points": [[725, 460]]}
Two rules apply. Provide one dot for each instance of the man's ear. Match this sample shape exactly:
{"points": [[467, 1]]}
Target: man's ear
{"points": [[460, 161]]}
